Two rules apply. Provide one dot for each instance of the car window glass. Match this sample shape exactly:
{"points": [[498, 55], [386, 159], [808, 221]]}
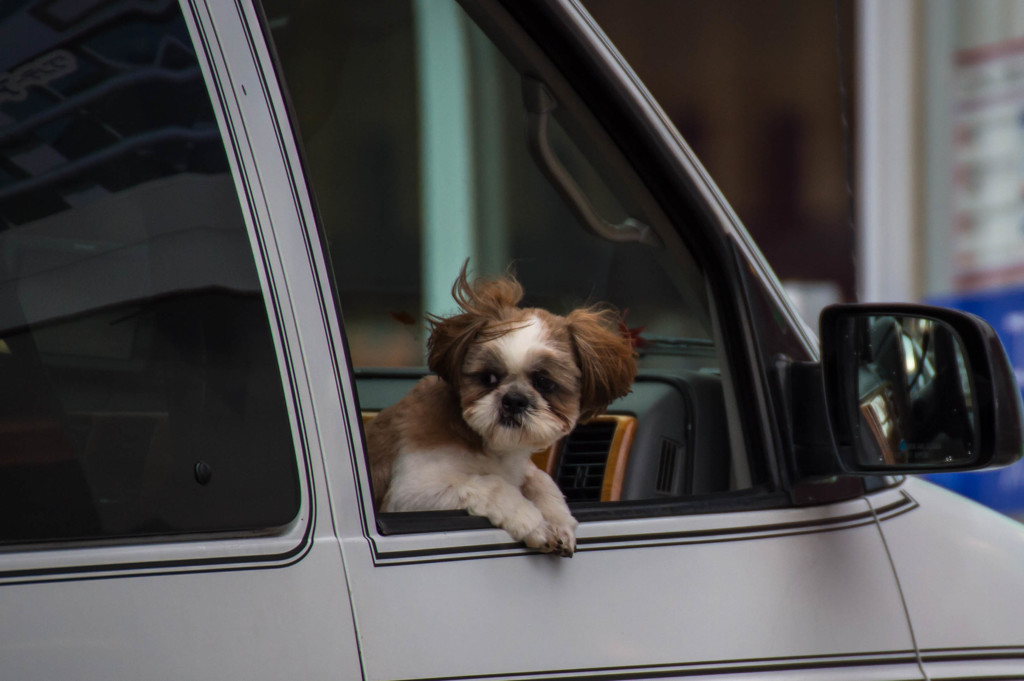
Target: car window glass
{"points": [[142, 394], [358, 75]]}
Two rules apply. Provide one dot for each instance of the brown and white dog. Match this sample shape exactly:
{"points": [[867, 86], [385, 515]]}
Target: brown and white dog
{"points": [[510, 381]]}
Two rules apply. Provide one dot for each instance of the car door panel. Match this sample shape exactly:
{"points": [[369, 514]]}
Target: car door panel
{"points": [[783, 589], [963, 584], [243, 623]]}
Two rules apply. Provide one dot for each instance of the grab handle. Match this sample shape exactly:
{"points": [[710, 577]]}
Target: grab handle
{"points": [[539, 104]]}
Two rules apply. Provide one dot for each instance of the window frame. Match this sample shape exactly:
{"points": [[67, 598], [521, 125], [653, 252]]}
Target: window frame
{"points": [[683, 192]]}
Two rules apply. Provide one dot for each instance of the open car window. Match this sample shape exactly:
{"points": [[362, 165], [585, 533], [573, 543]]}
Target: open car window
{"points": [[429, 140]]}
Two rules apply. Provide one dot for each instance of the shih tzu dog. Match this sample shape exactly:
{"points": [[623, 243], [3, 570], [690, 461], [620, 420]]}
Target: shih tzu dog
{"points": [[510, 381]]}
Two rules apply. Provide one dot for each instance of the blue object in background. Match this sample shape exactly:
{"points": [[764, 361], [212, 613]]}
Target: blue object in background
{"points": [[1001, 489]]}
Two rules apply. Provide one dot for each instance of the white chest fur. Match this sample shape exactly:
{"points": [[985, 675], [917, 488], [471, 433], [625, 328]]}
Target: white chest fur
{"points": [[507, 489], [431, 480]]}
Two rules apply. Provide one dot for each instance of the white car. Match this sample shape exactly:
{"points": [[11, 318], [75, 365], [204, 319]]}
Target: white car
{"points": [[221, 225]]}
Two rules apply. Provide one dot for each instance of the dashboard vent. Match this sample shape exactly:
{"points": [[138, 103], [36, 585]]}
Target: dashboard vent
{"points": [[668, 465], [584, 459]]}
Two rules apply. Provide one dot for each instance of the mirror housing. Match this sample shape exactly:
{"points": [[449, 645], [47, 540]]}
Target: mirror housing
{"points": [[904, 389]]}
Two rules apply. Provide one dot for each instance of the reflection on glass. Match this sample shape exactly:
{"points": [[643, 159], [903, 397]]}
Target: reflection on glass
{"points": [[914, 402]]}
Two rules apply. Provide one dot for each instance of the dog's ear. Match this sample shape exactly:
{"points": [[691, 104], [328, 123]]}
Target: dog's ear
{"points": [[482, 302], [450, 339], [606, 359]]}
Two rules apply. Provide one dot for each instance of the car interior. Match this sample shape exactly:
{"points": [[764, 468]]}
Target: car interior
{"points": [[551, 199]]}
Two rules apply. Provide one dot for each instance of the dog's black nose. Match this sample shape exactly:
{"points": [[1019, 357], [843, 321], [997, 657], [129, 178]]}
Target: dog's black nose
{"points": [[513, 403]]}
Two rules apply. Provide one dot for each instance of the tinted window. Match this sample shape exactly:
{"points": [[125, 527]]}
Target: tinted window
{"points": [[142, 393]]}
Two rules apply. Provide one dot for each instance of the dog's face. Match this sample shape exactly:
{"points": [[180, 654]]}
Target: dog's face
{"points": [[525, 377], [520, 389]]}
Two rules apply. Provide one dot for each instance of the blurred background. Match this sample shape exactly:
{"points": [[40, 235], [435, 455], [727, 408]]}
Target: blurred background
{"points": [[754, 87], [932, 92]]}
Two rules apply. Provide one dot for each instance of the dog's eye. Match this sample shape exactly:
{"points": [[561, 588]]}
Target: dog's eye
{"points": [[543, 384], [489, 379]]}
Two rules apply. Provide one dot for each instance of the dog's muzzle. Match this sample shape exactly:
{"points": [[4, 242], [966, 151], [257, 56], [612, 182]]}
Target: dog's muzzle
{"points": [[513, 406]]}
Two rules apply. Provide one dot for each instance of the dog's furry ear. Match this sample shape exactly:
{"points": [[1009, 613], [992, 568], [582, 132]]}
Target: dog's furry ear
{"points": [[606, 358], [482, 302]]}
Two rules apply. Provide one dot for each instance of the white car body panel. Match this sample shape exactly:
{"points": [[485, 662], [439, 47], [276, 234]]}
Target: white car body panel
{"points": [[960, 572], [243, 623], [780, 583]]}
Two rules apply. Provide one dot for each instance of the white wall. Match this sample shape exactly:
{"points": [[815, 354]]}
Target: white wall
{"points": [[886, 184]]}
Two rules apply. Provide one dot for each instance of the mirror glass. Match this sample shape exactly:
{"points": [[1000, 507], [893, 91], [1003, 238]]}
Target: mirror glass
{"points": [[909, 388]]}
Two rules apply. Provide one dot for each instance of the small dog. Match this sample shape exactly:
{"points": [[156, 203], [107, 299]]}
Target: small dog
{"points": [[510, 381]]}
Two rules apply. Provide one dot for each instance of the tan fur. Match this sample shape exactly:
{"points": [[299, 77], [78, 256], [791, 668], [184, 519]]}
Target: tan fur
{"points": [[606, 360], [485, 304]]}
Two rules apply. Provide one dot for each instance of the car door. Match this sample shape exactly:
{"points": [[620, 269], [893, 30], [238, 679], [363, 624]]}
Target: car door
{"points": [[163, 514], [973, 630], [425, 129]]}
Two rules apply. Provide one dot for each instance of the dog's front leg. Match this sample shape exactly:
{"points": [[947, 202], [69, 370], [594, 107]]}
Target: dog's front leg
{"points": [[505, 506], [542, 491]]}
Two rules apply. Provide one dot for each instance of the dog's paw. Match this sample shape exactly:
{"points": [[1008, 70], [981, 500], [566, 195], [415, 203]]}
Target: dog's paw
{"points": [[562, 537], [540, 538], [527, 525], [552, 538], [559, 538]]}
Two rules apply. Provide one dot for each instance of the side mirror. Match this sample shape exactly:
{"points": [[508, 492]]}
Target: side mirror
{"points": [[915, 389]]}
